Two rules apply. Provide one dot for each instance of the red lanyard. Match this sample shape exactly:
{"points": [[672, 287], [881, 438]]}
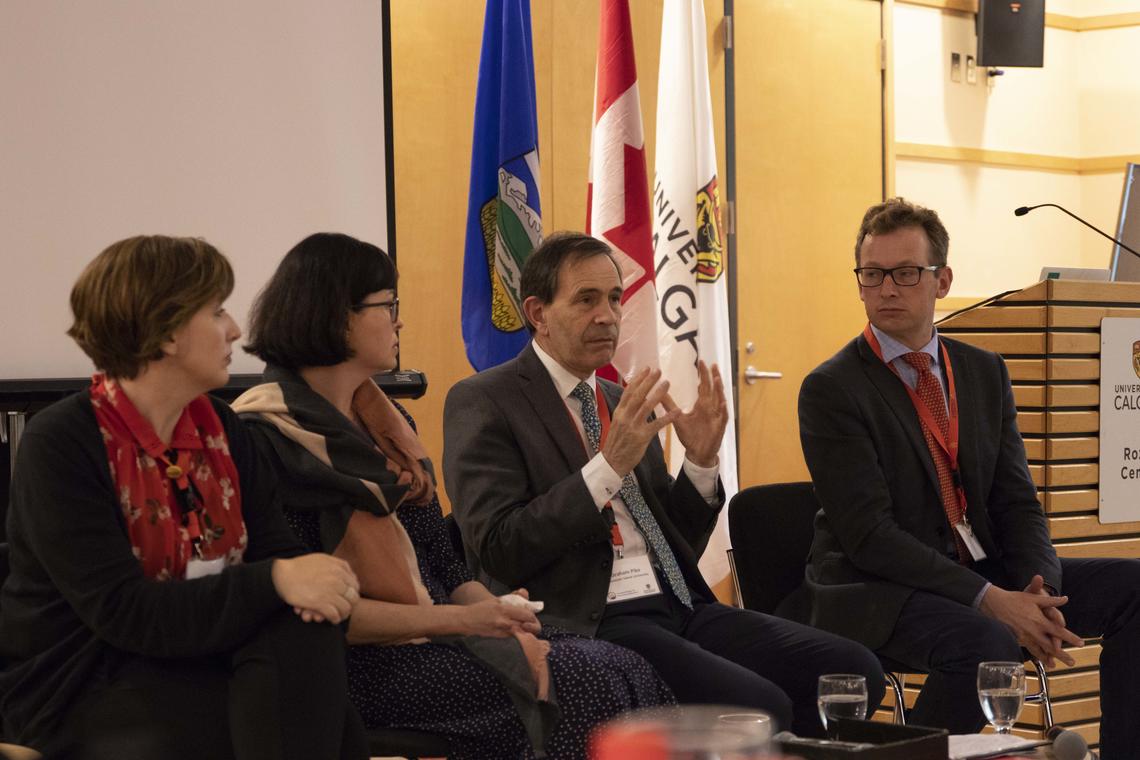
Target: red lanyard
{"points": [[604, 419], [949, 445]]}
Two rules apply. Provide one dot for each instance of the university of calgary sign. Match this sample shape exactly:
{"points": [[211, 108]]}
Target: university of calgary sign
{"points": [[1119, 419]]}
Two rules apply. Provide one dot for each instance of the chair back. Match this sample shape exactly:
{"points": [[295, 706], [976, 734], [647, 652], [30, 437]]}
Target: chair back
{"points": [[771, 529]]}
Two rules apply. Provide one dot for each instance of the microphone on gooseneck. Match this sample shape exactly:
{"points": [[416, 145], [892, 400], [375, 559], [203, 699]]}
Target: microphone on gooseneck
{"points": [[1068, 745], [1023, 210]]}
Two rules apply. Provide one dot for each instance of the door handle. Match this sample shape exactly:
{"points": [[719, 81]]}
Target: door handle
{"points": [[751, 375]]}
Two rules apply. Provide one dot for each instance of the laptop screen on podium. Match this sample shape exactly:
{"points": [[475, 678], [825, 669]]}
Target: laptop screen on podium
{"points": [[1123, 265]]}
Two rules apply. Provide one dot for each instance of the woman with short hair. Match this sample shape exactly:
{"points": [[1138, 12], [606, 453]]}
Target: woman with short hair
{"points": [[155, 598], [433, 649]]}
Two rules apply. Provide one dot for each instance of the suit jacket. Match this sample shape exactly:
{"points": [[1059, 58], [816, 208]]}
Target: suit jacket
{"points": [[512, 461], [882, 532]]}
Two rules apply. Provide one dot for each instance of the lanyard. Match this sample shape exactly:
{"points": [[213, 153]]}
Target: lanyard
{"points": [[604, 419], [189, 501], [949, 443]]}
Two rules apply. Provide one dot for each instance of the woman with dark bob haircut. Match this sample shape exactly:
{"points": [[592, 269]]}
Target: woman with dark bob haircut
{"points": [[158, 604], [433, 649]]}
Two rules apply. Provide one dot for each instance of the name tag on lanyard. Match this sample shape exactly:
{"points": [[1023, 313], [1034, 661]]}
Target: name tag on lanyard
{"points": [[632, 578], [970, 540], [200, 568]]}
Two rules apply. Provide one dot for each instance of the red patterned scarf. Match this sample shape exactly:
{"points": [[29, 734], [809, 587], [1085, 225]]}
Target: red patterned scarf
{"points": [[164, 527]]}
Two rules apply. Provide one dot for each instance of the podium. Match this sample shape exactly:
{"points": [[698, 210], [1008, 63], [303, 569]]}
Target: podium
{"points": [[1049, 336]]}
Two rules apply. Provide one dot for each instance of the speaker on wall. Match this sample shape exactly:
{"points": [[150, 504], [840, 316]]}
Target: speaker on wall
{"points": [[1011, 33]]}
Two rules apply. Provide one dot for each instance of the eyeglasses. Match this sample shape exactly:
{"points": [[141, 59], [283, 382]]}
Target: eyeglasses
{"points": [[392, 306], [872, 277]]}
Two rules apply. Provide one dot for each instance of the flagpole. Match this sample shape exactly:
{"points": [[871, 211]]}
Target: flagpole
{"points": [[730, 198]]}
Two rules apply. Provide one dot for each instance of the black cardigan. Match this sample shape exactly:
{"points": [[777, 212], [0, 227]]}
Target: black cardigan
{"points": [[77, 605]]}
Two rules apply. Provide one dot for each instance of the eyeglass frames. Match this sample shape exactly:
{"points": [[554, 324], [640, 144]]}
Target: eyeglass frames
{"points": [[392, 306], [908, 276]]}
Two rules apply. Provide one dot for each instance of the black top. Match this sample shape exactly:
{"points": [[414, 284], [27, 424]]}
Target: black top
{"points": [[77, 605]]}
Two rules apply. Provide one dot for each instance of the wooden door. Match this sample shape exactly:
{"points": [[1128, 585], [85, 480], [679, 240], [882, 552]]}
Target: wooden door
{"points": [[809, 163]]}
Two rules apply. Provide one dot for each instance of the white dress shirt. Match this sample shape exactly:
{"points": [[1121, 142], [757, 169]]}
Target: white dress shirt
{"points": [[602, 481]]}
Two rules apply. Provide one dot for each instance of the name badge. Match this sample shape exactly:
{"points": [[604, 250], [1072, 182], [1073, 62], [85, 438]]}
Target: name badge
{"points": [[200, 568], [632, 578], [971, 541]]}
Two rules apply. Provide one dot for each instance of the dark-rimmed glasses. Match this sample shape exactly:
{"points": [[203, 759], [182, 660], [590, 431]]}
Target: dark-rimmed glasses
{"points": [[392, 306], [872, 277]]}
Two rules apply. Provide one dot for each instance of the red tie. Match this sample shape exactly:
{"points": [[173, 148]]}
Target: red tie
{"points": [[930, 394]]}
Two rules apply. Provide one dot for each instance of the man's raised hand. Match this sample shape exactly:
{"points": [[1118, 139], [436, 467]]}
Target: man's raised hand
{"points": [[701, 429], [631, 428]]}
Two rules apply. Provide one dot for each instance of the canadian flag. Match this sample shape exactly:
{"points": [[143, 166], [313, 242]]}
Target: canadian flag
{"points": [[617, 203]]}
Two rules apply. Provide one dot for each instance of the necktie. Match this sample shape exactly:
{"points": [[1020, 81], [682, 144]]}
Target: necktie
{"points": [[631, 495], [930, 394]]}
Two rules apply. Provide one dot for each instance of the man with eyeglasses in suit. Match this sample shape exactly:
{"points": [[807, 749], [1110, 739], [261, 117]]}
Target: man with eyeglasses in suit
{"points": [[931, 548]]}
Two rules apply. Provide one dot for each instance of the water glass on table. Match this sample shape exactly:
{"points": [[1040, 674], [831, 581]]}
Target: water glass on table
{"points": [[841, 695], [1001, 691]]}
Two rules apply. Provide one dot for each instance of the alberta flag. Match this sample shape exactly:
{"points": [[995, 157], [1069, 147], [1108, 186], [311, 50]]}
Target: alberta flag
{"points": [[504, 218]]}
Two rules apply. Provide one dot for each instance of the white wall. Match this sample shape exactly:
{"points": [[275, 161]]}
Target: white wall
{"points": [[251, 124], [1085, 8], [1011, 115], [1109, 108], [1084, 102], [1109, 98]]}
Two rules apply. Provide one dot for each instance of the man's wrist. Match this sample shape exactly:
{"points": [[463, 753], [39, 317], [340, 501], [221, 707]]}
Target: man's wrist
{"points": [[602, 481], [705, 463]]}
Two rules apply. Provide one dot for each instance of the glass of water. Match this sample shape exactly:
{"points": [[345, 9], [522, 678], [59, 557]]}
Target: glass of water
{"points": [[841, 695], [1001, 690]]}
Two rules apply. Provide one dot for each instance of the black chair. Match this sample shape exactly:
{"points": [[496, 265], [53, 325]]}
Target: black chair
{"points": [[771, 529], [381, 742]]}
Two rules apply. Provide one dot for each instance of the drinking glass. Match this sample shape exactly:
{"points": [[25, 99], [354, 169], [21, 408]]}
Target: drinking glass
{"points": [[841, 695], [1001, 690]]}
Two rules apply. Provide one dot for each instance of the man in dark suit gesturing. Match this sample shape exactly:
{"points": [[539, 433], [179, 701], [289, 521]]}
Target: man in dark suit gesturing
{"points": [[559, 484], [931, 547]]}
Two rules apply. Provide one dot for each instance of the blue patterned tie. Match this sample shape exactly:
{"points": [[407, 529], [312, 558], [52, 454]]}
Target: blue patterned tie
{"points": [[633, 499]]}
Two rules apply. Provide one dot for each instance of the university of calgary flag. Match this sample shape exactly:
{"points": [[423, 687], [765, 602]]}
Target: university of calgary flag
{"points": [[504, 218], [617, 204], [687, 239]]}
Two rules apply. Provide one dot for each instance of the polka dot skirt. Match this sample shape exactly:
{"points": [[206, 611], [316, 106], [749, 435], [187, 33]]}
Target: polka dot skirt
{"points": [[440, 688]]}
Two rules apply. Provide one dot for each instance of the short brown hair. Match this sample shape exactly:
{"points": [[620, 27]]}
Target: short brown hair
{"points": [[540, 272], [137, 292], [897, 213]]}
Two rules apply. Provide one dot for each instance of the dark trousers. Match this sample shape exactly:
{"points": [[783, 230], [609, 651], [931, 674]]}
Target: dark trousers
{"points": [[948, 640], [723, 655], [281, 695]]}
